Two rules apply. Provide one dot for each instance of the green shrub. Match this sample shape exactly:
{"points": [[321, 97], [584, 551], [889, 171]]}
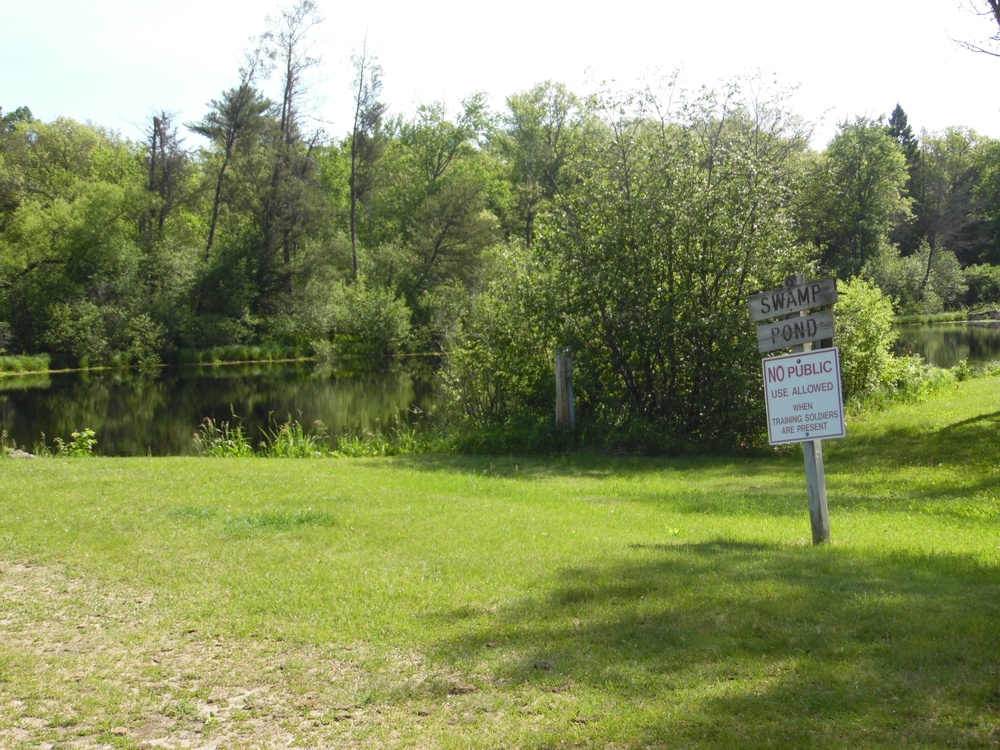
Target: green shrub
{"points": [[141, 341], [396, 441], [865, 336], [499, 370], [6, 446], [927, 282], [76, 333], [370, 321], [983, 285], [81, 445], [899, 278]]}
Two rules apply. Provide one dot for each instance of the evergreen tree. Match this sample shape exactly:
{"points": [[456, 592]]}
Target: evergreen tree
{"points": [[907, 234]]}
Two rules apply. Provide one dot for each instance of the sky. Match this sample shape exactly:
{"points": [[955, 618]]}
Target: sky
{"points": [[117, 62]]}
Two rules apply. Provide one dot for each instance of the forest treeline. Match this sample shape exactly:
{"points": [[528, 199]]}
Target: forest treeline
{"points": [[629, 226]]}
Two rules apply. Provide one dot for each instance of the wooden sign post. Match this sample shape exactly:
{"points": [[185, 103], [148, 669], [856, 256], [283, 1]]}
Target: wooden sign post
{"points": [[803, 382]]}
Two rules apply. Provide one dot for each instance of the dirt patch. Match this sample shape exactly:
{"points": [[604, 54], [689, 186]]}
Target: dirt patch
{"points": [[82, 667]]}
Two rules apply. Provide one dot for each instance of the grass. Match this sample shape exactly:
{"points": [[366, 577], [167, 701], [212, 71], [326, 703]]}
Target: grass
{"points": [[290, 439], [242, 353], [955, 316], [451, 602], [24, 363]]}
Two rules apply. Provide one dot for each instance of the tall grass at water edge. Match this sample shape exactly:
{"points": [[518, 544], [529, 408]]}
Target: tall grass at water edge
{"points": [[24, 363], [291, 439], [956, 316]]}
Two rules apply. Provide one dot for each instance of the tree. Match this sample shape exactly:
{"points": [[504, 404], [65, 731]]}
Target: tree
{"points": [[10, 187], [288, 209], [944, 183], [288, 45], [366, 139], [899, 128], [643, 266], [437, 205], [855, 196], [541, 130], [70, 263], [236, 122], [986, 198], [989, 9], [166, 162], [906, 233]]}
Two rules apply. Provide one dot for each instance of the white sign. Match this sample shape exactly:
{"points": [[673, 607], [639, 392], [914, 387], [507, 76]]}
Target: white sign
{"points": [[804, 396]]}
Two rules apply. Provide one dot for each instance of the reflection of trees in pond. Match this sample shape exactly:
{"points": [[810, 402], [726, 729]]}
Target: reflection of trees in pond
{"points": [[360, 401], [946, 345], [24, 382], [118, 405], [159, 412]]}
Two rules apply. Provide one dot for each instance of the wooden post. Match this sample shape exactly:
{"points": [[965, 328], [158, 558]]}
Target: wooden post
{"points": [[819, 516], [812, 452], [565, 412]]}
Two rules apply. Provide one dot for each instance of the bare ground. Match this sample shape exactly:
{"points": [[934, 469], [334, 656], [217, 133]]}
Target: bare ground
{"points": [[85, 668]]}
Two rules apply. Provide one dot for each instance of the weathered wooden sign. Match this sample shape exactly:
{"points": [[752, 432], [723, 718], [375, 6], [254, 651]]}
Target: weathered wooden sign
{"points": [[802, 409], [795, 331], [788, 300]]}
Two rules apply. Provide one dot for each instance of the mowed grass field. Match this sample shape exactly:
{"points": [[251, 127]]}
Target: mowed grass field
{"points": [[451, 602]]}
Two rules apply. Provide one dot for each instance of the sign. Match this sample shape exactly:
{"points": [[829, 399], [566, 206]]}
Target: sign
{"points": [[788, 300], [781, 334], [804, 397]]}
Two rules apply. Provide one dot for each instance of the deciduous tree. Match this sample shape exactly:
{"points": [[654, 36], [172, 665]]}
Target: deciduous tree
{"points": [[541, 130], [855, 196], [990, 10]]}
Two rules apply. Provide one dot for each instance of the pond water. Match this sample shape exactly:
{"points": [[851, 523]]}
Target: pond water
{"points": [[157, 413], [946, 344]]}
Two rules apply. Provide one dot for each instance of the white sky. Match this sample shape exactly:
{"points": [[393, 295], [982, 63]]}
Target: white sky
{"points": [[116, 62]]}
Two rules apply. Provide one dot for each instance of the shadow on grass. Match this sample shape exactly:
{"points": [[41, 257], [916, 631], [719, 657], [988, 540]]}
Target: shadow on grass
{"points": [[948, 471], [601, 466], [725, 644], [869, 471], [966, 442]]}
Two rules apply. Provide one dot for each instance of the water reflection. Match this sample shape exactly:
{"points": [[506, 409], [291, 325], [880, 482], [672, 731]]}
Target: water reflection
{"points": [[946, 344], [157, 413]]}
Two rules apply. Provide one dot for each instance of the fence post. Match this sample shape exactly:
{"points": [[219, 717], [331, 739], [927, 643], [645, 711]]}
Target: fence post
{"points": [[565, 412]]}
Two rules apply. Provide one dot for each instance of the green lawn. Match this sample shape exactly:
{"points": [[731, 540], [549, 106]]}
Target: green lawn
{"points": [[449, 602]]}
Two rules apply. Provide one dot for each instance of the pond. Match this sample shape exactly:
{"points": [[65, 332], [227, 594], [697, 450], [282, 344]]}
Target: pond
{"points": [[157, 413], [946, 344]]}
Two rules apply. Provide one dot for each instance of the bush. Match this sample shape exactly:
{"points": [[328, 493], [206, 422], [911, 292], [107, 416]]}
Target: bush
{"points": [[370, 322], [499, 369], [76, 333], [291, 440], [81, 444], [140, 341], [983, 285], [223, 440], [865, 336], [915, 288], [899, 278]]}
